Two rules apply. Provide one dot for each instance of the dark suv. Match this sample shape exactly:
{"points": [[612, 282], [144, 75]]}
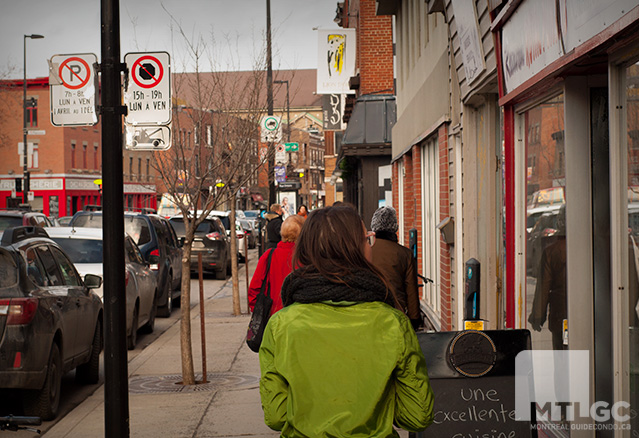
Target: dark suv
{"points": [[159, 245], [19, 218], [50, 320], [211, 241]]}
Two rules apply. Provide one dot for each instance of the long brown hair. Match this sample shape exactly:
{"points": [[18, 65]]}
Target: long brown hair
{"points": [[331, 245]]}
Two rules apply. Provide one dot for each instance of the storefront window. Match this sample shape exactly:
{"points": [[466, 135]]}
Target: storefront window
{"points": [[546, 302], [632, 117], [546, 224]]}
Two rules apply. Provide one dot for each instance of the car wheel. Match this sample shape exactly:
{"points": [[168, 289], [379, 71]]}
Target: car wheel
{"points": [[165, 310], [89, 373], [132, 338], [44, 403], [150, 324], [221, 274]]}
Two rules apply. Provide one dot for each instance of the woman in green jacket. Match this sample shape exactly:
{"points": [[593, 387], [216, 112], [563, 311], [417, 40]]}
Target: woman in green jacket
{"points": [[338, 361]]}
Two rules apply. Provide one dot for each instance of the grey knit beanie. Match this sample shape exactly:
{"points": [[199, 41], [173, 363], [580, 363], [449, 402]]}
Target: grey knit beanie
{"points": [[384, 219]]}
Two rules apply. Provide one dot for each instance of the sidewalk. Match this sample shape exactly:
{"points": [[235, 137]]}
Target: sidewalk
{"points": [[227, 406]]}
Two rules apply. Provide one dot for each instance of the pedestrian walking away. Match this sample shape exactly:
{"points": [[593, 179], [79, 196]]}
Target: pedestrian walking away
{"points": [[281, 264], [339, 360], [396, 262], [273, 226]]}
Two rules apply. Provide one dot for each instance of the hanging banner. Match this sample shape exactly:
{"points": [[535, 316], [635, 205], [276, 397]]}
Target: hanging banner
{"points": [[336, 60], [333, 111]]}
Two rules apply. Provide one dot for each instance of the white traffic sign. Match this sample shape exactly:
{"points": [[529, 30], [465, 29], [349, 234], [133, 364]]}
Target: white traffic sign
{"points": [[148, 88], [147, 138], [72, 79], [271, 129]]}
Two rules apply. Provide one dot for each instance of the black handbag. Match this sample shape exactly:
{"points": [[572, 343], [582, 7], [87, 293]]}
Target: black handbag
{"points": [[261, 312]]}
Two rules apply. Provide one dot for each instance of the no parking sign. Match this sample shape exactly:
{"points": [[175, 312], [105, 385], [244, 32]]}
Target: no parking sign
{"points": [[73, 89]]}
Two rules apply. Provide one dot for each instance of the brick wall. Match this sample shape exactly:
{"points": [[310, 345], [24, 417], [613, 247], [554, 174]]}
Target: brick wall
{"points": [[444, 249], [412, 213], [375, 50]]}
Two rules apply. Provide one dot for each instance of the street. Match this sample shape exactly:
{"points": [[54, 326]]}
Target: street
{"points": [[73, 394]]}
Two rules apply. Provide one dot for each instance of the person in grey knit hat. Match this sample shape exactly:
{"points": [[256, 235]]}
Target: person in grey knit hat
{"points": [[396, 262], [384, 219]]}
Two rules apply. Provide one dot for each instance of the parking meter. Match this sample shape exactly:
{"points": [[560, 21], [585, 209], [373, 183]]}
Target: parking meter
{"points": [[412, 241], [471, 288]]}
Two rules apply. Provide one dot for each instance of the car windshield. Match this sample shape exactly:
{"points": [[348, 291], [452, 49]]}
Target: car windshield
{"points": [[180, 230], [81, 250], [10, 222], [8, 271], [250, 213]]}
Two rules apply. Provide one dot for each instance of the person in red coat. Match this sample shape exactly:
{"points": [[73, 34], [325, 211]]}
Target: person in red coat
{"points": [[281, 264]]}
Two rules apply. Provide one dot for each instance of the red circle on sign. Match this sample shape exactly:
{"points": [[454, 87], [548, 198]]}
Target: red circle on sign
{"points": [[84, 81], [155, 80]]}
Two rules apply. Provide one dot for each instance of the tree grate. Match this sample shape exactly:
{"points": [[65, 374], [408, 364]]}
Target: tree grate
{"points": [[171, 383]]}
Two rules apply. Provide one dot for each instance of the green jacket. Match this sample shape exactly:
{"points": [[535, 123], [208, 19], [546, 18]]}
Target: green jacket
{"points": [[342, 370]]}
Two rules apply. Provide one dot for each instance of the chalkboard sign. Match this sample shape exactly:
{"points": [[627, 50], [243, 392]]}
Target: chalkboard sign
{"points": [[472, 374]]}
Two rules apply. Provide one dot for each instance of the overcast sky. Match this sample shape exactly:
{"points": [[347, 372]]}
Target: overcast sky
{"points": [[73, 26]]}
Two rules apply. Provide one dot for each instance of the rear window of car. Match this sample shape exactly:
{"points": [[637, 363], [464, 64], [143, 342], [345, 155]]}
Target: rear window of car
{"points": [[225, 221], [8, 270], [180, 229], [138, 229], [88, 221], [10, 222], [81, 250]]}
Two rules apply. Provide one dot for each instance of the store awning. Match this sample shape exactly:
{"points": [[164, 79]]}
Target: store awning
{"points": [[256, 197], [370, 126]]}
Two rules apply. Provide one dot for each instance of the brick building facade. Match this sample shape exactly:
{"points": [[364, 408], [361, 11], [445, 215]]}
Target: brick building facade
{"points": [[63, 162]]}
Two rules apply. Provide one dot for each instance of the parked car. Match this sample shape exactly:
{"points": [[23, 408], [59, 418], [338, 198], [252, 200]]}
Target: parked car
{"points": [[211, 241], [18, 218], [50, 320], [84, 248], [240, 234], [226, 220], [250, 230], [252, 214], [159, 245]]}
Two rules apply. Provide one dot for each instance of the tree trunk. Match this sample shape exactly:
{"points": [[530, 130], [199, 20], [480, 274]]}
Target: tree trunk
{"points": [[234, 250], [188, 375]]}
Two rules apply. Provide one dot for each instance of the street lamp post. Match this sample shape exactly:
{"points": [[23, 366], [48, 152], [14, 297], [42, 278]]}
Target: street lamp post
{"points": [[25, 172], [288, 111]]}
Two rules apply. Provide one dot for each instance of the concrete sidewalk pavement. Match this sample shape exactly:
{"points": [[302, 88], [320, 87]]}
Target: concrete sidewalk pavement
{"points": [[227, 406]]}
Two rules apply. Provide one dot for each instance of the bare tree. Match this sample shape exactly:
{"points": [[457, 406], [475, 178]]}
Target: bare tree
{"points": [[215, 127]]}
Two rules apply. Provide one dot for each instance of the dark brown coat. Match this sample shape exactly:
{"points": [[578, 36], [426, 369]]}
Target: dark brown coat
{"points": [[398, 266]]}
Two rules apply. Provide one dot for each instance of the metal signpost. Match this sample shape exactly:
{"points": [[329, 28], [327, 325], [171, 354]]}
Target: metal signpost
{"points": [[147, 98]]}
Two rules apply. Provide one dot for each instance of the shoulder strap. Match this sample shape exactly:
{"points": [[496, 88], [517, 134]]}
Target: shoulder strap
{"points": [[268, 268]]}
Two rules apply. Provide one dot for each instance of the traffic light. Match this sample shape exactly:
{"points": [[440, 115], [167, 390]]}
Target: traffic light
{"points": [[18, 184]]}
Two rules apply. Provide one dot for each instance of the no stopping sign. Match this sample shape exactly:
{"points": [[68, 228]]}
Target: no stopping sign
{"points": [[148, 92]]}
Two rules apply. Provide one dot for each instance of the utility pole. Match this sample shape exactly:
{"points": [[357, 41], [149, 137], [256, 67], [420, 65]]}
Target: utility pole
{"points": [[269, 99], [116, 387], [26, 181]]}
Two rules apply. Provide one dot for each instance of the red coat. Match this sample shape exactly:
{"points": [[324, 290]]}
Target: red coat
{"points": [[280, 267]]}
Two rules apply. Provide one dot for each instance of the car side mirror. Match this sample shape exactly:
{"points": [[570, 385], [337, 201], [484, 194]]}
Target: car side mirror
{"points": [[92, 281]]}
